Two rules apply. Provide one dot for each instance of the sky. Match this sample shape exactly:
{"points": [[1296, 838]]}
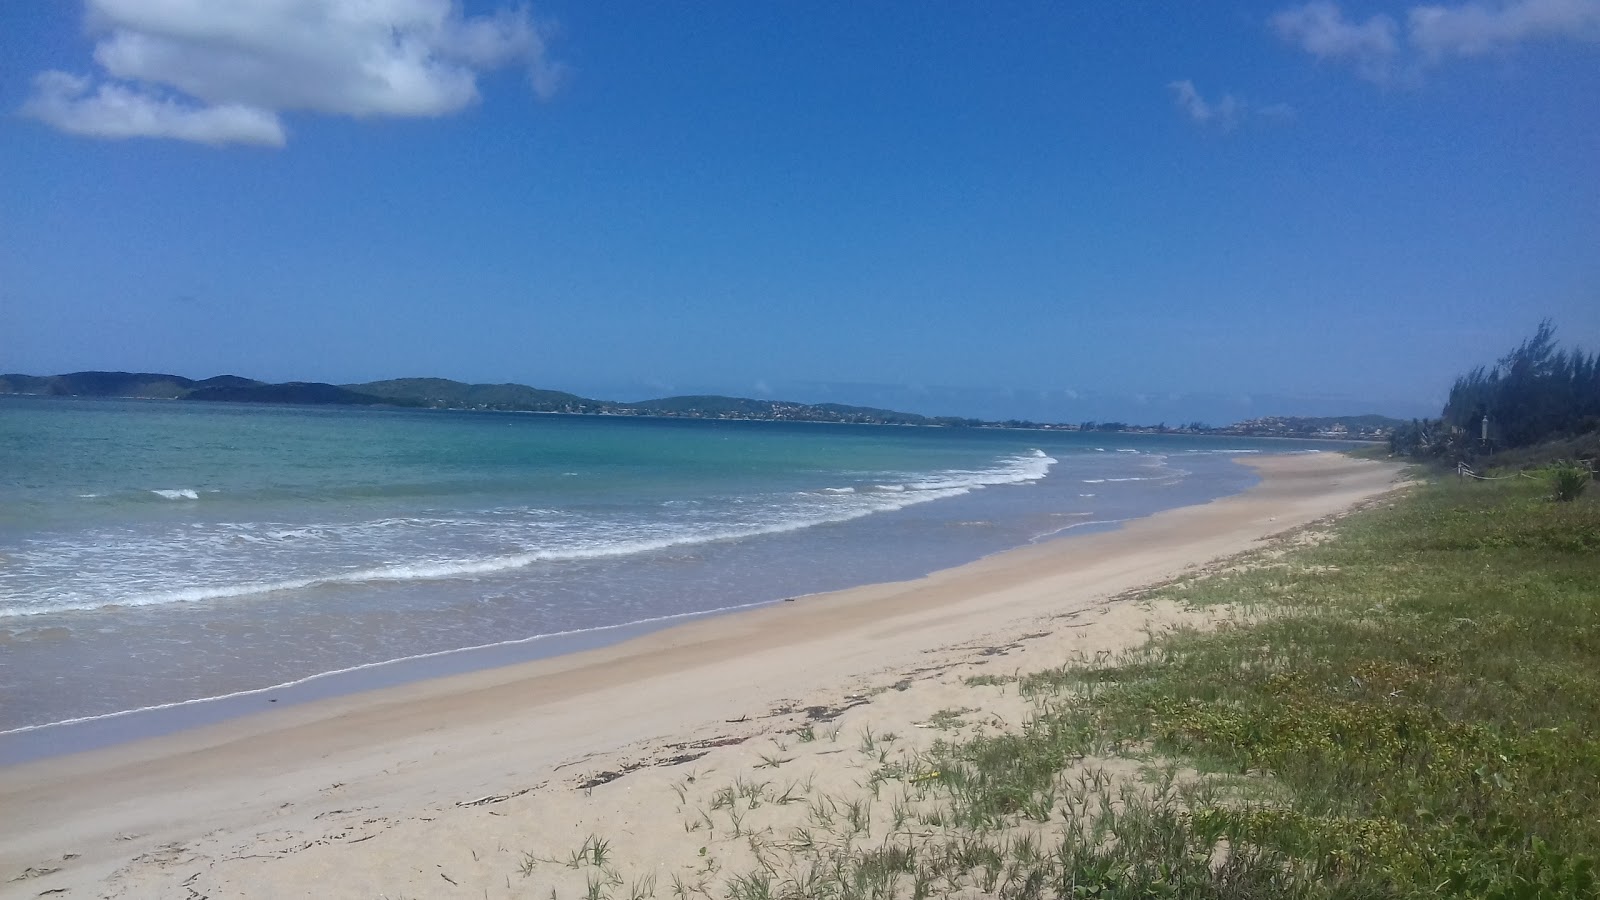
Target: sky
{"points": [[1127, 211]]}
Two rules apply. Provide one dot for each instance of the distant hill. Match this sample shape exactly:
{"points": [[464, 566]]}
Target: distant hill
{"points": [[890, 416], [708, 404], [99, 384], [439, 393], [227, 381], [443, 393], [307, 392], [155, 386]]}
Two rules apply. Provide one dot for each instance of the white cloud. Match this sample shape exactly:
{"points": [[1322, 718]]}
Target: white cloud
{"points": [[116, 111], [1224, 113], [1474, 29], [221, 71], [1321, 29], [1381, 50]]}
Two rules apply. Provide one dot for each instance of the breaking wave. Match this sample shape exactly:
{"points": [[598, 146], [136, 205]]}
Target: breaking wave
{"points": [[543, 540]]}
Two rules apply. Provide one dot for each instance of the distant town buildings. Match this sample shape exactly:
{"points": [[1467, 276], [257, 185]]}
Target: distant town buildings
{"points": [[1351, 428]]}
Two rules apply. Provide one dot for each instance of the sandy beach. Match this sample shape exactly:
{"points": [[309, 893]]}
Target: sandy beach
{"points": [[477, 785]]}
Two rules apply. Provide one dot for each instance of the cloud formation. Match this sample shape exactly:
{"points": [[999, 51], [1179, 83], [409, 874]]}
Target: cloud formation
{"points": [[1321, 29], [1475, 29], [1381, 49], [1224, 113], [75, 105], [224, 71]]}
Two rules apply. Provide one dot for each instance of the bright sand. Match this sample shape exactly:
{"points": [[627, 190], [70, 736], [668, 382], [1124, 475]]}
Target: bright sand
{"points": [[442, 788]]}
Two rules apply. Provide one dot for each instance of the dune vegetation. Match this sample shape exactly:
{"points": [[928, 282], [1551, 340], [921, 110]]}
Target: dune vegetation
{"points": [[1403, 703]]}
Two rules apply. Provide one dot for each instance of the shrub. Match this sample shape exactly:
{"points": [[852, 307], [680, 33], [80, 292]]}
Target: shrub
{"points": [[1567, 481]]}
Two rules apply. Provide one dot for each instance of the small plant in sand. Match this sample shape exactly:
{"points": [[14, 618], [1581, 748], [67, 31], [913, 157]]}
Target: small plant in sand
{"points": [[773, 761], [868, 742], [752, 886], [752, 791], [681, 889], [595, 851], [859, 814], [950, 718], [792, 792], [642, 888], [736, 817]]}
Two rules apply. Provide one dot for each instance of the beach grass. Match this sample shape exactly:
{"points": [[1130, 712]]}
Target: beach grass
{"points": [[1406, 706]]}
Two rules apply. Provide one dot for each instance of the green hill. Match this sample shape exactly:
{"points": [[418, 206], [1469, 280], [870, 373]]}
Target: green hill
{"points": [[99, 384], [313, 393], [232, 381], [442, 393]]}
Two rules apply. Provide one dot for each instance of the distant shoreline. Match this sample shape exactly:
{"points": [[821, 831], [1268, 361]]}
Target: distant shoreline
{"points": [[443, 394]]}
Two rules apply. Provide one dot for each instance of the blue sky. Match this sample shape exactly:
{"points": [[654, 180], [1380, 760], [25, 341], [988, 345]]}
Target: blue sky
{"points": [[1136, 211]]}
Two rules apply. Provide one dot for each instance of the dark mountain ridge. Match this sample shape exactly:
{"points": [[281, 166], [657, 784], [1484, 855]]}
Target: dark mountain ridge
{"points": [[438, 393], [443, 393]]}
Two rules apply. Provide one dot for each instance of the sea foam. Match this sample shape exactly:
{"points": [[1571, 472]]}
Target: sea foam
{"points": [[545, 542]]}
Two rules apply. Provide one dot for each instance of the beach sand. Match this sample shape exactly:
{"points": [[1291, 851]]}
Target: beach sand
{"points": [[486, 784]]}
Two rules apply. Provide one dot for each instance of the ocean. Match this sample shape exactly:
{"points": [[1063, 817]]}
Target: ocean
{"points": [[159, 553]]}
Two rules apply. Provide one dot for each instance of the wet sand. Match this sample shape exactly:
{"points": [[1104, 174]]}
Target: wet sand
{"points": [[373, 794]]}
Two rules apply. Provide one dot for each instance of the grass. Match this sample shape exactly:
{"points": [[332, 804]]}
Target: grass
{"points": [[1580, 447], [1412, 709], [1567, 481], [950, 718], [1426, 687]]}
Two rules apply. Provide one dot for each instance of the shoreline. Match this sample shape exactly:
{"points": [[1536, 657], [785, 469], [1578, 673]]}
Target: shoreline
{"points": [[411, 750], [40, 740], [30, 743], [1059, 428]]}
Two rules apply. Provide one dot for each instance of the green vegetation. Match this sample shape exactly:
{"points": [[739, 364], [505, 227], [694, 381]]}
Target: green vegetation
{"points": [[442, 393], [1567, 481], [298, 392], [1541, 403], [219, 389], [1534, 393], [107, 384], [1425, 688], [1317, 426], [1411, 709]]}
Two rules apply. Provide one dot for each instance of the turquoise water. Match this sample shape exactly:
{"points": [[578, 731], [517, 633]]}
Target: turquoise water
{"points": [[158, 552]]}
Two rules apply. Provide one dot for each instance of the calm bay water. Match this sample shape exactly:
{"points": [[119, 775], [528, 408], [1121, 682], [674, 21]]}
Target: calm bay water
{"points": [[153, 553]]}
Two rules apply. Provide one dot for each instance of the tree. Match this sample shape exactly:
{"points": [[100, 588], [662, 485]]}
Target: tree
{"points": [[1534, 393]]}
